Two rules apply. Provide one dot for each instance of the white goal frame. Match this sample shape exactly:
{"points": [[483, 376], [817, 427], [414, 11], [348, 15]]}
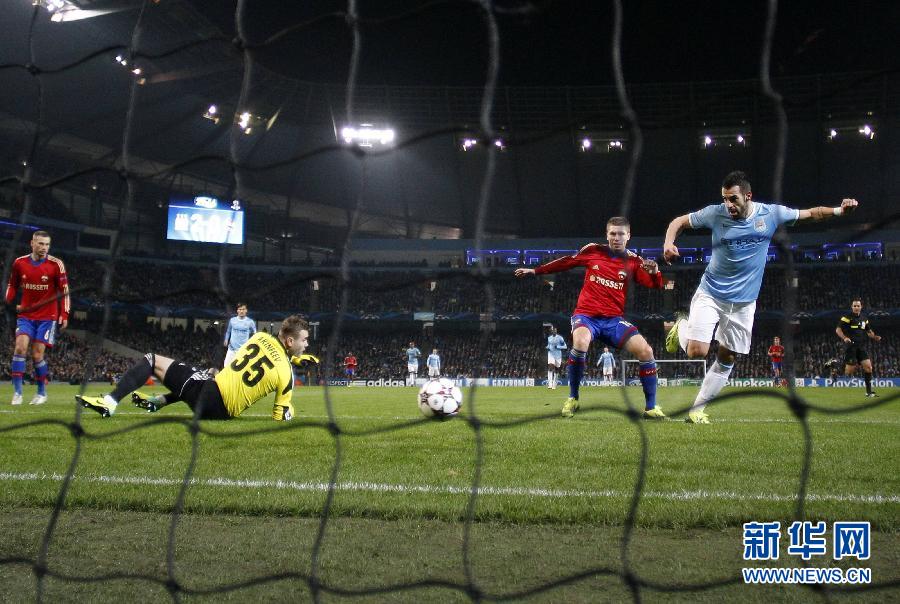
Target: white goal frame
{"points": [[658, 361]]}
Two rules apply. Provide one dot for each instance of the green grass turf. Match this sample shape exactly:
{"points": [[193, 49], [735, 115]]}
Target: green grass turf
{"points": [[545, 480]]}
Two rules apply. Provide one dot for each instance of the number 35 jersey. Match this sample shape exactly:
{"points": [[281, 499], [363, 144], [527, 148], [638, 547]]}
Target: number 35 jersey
{"points": [[260, 366]]}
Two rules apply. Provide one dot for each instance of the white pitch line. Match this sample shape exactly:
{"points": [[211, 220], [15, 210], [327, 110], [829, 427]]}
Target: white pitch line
{"points": [[375, 487]]}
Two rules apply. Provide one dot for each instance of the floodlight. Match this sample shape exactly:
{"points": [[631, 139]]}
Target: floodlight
{"points": [[740, 138], [212, 114], [867, 131], [585, 144], [244, 120], [366, 135], [833, 133], [707, 140]]}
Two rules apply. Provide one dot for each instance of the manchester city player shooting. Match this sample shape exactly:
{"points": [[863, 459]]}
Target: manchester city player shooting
{"points": [[742, 230]]}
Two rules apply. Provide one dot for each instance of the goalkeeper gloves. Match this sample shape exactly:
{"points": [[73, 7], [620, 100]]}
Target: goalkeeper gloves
{"points": [[282, 413], [305, 360]]}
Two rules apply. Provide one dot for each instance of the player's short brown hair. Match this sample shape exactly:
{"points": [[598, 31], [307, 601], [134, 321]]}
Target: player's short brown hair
{"points": [[37, 234], [736, 179], [618, 221], [292, 326]]}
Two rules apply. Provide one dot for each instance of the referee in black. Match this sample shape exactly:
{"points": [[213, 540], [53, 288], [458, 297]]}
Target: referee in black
{"points": [[853, 329]]}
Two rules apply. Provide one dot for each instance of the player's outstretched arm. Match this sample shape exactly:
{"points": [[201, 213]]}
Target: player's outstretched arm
{"points": [[670, 251], [823, 212], [522, 272], [873, 336]]}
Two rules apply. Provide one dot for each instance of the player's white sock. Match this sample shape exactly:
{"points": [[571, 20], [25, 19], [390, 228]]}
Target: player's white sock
{"points": [[682, 334], [549, 379], [113, 403], [712, 384]]}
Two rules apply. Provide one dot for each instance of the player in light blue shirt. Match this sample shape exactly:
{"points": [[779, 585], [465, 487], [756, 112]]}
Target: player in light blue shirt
{"points": [[239, 330], [555, 346], [412, 363], [742, 230], [608, 362], [434, 364]]}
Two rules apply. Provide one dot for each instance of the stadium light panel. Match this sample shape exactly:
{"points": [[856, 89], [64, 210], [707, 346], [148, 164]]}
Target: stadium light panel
{"points": [[366, 135], [601, 141], [848, 130], [707, 141], [244, 120], [212, 114]]}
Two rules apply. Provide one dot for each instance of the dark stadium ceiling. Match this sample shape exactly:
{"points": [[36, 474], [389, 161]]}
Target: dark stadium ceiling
{"points": [[546, 43]]}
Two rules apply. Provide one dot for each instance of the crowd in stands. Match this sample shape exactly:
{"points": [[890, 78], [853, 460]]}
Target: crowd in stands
{"points": [[820, 287]]}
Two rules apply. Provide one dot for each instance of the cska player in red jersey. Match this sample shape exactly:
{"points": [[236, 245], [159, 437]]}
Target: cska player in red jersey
{"points": [[776, 355], [350, 365], [601, 304], [44, 305]]}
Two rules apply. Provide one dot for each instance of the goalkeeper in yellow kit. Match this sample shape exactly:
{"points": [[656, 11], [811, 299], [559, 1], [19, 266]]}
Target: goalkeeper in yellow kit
{"points": [[261, 366]]}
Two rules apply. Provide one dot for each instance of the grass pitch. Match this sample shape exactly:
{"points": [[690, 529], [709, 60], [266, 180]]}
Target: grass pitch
{"points": [[553, 493]]}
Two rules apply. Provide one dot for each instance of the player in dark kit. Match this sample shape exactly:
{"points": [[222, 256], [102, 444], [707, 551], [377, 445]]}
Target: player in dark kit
{"points": [[776, 355], [853, 329], [601, 304]]}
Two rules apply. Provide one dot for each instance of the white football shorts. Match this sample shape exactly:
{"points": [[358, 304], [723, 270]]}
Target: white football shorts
{"points": [[434, 372], [555, 361], [412, 368], [735, 322], [608, 371], [229, 356]]}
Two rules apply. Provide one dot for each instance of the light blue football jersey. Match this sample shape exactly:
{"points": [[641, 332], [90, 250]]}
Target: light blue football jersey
{"points": [[607, 360], [239, 331], [739, 248], [555, 345]]}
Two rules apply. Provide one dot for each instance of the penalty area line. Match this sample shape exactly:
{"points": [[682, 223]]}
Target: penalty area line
{"points": [[375, 487]]}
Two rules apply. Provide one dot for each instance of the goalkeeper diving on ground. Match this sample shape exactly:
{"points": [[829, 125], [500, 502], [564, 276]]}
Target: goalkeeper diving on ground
{"points": [[261, 366]]}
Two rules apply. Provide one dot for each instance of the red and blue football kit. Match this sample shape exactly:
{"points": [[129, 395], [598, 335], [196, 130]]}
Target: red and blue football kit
{"points": [[601, 305], [44, 303], [602, 296], [45, 296], [776, 353], [350, 365]]}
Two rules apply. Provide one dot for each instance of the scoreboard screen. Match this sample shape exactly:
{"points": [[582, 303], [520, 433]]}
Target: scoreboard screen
{"points": [[206, 219]]}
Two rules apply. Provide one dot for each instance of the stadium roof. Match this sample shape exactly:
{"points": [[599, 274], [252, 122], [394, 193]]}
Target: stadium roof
{"points": [[295, 83]]}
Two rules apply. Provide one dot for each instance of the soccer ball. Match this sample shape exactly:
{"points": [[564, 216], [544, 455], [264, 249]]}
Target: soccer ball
{"points": [[439, 399]]}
